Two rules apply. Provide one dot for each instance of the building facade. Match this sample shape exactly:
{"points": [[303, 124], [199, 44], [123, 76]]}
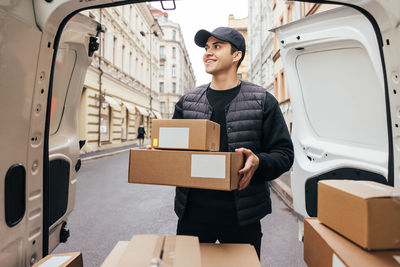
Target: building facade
{"points": [[261, 44], [120, 91], [265, 64], [241, 26], [176, 75]]}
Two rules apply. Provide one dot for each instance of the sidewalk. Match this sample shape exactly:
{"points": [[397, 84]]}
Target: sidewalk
{"points": [[108, 152], [281, 185]]}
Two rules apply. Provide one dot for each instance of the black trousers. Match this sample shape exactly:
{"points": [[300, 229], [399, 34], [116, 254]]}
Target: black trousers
{"points": [[210, 233]]}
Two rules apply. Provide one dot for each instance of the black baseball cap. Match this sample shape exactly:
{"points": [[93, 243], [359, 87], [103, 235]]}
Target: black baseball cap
{"points": [[226, 34]]}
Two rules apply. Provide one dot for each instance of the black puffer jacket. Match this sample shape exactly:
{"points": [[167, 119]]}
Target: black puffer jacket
{"points": [[254, 121]]}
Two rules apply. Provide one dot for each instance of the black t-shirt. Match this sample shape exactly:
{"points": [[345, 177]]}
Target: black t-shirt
{"points": [[215, 206]]}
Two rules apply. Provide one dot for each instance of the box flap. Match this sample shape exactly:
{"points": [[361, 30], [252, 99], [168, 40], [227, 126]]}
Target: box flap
{"points": [[71, 259], [115, 254], [142, 250], [181, 251], [363, 189], [232, 255]]}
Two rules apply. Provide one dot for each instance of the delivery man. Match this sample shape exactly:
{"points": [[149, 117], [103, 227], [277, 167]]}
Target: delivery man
{"points": [[251, 123]]}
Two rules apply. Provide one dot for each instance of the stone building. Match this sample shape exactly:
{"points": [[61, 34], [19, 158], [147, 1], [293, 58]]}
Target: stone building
{"points": [[120, 90], [241, 26], [176, 75]]}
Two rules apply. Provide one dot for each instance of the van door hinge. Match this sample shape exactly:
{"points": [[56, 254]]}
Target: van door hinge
{"points": [[168, 8], [93, 46]]}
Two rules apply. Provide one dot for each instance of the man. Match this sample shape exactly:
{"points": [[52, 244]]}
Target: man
{"points": [[251, 123]]}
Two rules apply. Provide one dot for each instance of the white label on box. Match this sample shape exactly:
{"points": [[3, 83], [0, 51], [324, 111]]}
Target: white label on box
{"points": [[397, 258], [55, 261], [208, 166], [336, 262], [173, 137]]}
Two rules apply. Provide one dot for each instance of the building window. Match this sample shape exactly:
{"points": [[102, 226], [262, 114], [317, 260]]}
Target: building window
{"points": [[276, 89], [105, 121], [173, 52], [124, 123], [172, 108], [130, 63], [162, 52], [173, 71], [123, 58], [162, 69], [289, 17], [162, 107], [115, 51], [161, 87], [282, 87], [174, 35], [239, 76], [174, 88]]}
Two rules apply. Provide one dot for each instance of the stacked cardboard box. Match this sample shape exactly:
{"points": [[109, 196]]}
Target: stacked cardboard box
{"points": [[354, 217], [73, 259], [179, 251], [185, 156]]}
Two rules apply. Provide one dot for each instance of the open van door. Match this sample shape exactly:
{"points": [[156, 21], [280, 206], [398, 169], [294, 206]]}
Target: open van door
{"points": [[41, 76], [343, 73]]}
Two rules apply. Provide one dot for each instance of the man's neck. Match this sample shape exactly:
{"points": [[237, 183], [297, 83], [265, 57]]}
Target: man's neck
{"points": [[224, 82]]}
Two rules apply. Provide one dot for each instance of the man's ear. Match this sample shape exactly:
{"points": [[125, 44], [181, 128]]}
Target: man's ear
{"points": [[237, 56]]}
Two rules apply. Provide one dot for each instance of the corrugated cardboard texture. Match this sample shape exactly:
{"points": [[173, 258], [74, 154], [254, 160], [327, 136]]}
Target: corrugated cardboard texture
{"points": [[115, 254], [204, 135], [142, 250], [228, 255], [361, 212], [320, 243], [145, 250], [169, 167], [181, 251], [75, 261]]}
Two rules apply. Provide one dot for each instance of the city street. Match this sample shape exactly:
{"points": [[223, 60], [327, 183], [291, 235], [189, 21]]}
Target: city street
{"points": [[108, 209]]}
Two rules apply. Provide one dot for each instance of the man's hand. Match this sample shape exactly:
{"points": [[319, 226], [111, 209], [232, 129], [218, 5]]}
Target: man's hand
{"points": [[249, 168]]}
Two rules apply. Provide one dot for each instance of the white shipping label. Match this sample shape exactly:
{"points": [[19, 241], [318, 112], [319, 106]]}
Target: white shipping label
{"points": [[397, 258], [336, 262], [208, 166], [55, 261], [173, 137]]}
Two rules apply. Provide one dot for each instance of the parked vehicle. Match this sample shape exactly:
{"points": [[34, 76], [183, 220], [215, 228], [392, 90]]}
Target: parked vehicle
{"points": [[343, 73]]}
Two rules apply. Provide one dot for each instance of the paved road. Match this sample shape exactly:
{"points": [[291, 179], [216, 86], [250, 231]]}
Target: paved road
{"points": [[108, 210]]}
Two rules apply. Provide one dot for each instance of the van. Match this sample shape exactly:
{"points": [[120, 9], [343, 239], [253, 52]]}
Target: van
{"points": [[343, 72]]}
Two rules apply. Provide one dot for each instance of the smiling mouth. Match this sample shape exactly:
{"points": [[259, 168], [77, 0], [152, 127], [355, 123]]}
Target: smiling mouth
{"points": [[208, 61]]}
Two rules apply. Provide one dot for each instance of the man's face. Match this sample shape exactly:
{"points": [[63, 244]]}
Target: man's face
{"points": [[217, 57]]}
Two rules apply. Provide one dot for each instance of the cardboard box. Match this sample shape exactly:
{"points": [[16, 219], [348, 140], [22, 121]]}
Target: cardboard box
{"points": [[228, 255], [145, 250], [325, 247], [115, 254], [186, 134], [367, 213], [209, 170], [73, 259]]}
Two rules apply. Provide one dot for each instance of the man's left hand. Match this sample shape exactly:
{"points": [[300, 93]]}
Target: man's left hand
{"points": [[250, 166]]}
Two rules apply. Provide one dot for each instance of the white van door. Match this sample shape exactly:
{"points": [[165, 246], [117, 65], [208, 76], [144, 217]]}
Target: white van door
{"points": [[342, 68], [39, 147]]}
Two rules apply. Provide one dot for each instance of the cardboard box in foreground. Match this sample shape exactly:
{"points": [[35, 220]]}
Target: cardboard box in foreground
{"points": [[186, 134], [367, 213], [228, 255], [208, 170], [325, 247], [212, 255], [157, 250], [73, 259]]}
